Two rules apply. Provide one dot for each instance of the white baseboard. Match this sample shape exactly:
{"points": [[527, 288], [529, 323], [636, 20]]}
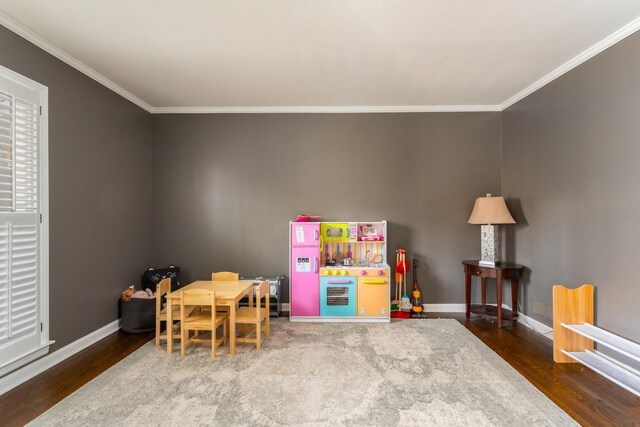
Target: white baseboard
{"points": [[444, 308], [533, 324], [536, 326], [25, 359], [29, 371]]}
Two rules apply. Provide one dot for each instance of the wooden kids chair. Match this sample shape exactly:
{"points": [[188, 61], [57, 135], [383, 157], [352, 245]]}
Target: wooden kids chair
{"points": [[162, 289], [225, 276], [203, 321], [255, 315]]}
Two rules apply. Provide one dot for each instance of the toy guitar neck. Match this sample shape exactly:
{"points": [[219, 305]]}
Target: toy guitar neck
{"points": [[416, 301]]}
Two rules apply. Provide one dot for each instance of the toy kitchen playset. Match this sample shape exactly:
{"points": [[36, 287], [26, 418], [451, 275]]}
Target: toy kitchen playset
{"points": [[338, 271]]}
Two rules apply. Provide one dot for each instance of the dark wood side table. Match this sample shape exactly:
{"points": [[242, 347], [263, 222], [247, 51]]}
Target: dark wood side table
{"points": [[502, 270]]}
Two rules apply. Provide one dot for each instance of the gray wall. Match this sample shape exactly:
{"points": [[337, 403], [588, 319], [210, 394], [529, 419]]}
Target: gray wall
{"points": [[570, 165], [100, 191], [225, 186]]}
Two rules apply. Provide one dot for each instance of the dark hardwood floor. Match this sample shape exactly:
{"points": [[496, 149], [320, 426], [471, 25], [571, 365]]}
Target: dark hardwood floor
{"points": [[34, 397], [586, 396]]}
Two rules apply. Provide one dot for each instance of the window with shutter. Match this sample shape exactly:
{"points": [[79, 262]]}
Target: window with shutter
{"points": [[23, 278]]}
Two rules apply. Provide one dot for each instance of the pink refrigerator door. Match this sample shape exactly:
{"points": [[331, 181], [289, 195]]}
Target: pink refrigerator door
{"points": [[305, 234], [305, 281]]}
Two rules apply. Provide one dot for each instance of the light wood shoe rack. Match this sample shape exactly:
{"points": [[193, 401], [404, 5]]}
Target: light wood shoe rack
{"points": [[574, 335]]}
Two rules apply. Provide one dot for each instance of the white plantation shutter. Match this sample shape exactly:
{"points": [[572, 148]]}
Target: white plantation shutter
{"points": [[6, 148], [21, 293], [26, 157], [18, 281]]}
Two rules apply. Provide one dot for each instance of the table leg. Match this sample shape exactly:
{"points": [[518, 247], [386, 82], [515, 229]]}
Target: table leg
{"points": [[467, 293], [483, 280], [169, 326], [499, 295], [243, 327], [514, 297], [232, 329]]}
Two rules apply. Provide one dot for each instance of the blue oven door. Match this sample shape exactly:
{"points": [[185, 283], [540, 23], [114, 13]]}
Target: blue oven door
{"points": [[337, 296]]}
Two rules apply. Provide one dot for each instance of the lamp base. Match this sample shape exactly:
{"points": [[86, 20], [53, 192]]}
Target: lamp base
{"points": [[490, 243]]}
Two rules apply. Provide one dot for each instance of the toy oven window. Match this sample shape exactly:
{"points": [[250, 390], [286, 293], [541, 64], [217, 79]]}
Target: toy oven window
{"points": [[337, 295]]}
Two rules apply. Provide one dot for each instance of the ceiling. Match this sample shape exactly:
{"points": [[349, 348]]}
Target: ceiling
{"points": [[402, 55]]}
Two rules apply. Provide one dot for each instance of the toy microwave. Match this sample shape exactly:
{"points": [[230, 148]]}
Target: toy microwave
{"points": [[370, 233], [335, 231]]}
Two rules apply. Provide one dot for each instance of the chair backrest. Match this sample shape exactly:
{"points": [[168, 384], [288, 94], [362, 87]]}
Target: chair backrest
{"points": [[201, 297], [161, 290], [198, 297], [225, 276], [262, 291]]}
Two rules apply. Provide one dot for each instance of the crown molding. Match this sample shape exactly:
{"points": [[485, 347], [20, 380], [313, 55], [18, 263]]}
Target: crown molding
{"points": [[587, 54], [34, 38], [329, 109]]}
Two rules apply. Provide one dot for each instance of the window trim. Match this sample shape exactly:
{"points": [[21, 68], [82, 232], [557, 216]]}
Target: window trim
{"points": [[43, 210]]}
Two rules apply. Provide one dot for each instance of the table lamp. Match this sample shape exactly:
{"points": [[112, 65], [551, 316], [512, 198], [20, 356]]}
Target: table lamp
{"points": [[489, 212]]}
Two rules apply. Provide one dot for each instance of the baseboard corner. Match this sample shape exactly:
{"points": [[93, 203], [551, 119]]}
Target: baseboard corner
{"points": [[536, 326]]}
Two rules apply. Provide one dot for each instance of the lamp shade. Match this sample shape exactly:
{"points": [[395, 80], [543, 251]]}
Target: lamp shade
{"points": [[490, 210]]}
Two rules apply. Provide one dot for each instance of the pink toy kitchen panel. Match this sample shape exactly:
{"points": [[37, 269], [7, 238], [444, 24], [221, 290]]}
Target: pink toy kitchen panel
{"points": [[305, 275], [305, 234]]}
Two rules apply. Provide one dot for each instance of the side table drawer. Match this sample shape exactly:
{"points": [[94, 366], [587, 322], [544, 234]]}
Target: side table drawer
{"points": [[480, 271]]}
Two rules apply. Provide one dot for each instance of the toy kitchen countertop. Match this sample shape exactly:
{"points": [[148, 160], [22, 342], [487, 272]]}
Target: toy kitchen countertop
{"points": [[356, 270]]}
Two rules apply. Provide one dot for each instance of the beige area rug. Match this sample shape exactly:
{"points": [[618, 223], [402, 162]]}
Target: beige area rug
{"points": [[412, 372]]}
